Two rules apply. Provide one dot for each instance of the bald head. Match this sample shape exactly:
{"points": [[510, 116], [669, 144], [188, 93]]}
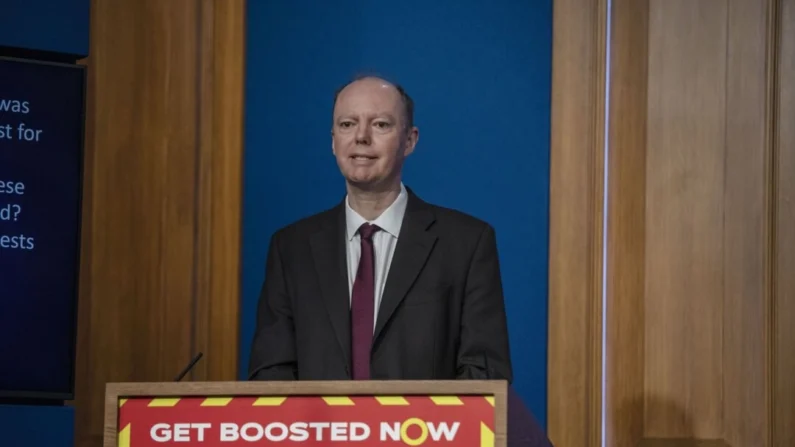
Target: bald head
{"points": [[372, 133], [377, 87]]}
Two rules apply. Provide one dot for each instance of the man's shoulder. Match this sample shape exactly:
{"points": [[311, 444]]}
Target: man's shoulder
{"points": [[457, 221], [308, 225], [457, 217]]}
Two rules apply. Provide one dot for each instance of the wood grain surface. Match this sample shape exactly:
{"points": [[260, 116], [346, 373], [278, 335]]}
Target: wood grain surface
{"points": [[160, 272]]}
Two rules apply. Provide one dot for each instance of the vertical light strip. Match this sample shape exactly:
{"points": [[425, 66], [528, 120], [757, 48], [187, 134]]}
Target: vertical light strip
{"points": [[605, 194]]}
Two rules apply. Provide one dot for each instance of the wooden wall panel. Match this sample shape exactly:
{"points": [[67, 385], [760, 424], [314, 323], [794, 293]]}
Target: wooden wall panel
{"points": [[700, 301], [747, 226], [220, 188], [783, 311], [161, 224], [574, 365], [686, 149], [626, 205]]}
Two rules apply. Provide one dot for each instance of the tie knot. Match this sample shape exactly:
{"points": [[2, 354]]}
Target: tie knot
{"points": [[367, 230]]}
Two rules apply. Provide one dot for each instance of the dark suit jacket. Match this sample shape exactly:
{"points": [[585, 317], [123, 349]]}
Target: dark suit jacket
{"points": [[442, 315]]}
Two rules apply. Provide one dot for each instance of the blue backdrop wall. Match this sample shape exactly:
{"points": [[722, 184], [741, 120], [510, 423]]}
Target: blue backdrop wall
{"points": [[480, 76], [53, 26], [56, 26]]}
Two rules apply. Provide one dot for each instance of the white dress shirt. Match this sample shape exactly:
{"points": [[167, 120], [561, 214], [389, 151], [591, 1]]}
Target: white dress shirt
{"points": [[384, 242]]}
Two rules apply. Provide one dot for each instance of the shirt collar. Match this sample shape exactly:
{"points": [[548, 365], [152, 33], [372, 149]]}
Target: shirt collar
{"points": [[389, 221]]}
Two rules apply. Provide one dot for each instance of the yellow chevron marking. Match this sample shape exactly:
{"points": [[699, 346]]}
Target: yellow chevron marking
{"points": [[391, 400], [446, 400], [486, 436], [216, 401], [338, 400], [124, 437], [122, 402], [269, 401], [490, 399], [164, 402]]}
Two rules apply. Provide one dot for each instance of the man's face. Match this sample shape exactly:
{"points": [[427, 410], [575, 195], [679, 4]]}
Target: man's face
{"points": [[369, 135]]}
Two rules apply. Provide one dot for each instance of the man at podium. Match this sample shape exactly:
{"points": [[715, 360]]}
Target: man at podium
{"points": [[383, 285]]}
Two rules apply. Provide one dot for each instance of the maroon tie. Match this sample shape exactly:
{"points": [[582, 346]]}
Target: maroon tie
{"points": [[362, 305]]}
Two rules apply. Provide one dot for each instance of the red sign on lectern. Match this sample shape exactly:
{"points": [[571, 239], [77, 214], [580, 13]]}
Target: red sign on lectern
{"points": [[307, 421]]}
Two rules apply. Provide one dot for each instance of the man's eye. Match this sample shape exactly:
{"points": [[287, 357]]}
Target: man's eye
{"points": [[346, 124], [382, 124]]}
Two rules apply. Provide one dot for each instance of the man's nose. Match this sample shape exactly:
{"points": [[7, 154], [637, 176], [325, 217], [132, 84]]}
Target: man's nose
{"points": [[363, 134]]}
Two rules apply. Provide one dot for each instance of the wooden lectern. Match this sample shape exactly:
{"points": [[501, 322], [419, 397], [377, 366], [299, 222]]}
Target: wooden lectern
{"points": [[328, 413]]}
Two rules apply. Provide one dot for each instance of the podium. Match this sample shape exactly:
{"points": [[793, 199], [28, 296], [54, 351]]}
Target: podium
{"points": [[326, 413]]}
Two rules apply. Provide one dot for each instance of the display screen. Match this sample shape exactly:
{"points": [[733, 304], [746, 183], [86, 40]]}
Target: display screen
{"points": [[41, 157]]}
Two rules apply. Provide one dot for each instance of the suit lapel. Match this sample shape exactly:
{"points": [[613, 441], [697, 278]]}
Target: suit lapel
{"points": [[328, 252], [412, 250]]}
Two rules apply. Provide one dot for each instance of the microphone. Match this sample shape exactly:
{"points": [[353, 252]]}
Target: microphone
{"points": [[189, 367]]}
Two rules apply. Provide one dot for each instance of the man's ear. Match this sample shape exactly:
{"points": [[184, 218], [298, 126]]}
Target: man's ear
{"points": [[411, 141], [333, 149]]}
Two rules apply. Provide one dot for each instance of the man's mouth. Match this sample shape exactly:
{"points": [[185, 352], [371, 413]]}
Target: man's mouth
{"points": [[362, 157]]}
